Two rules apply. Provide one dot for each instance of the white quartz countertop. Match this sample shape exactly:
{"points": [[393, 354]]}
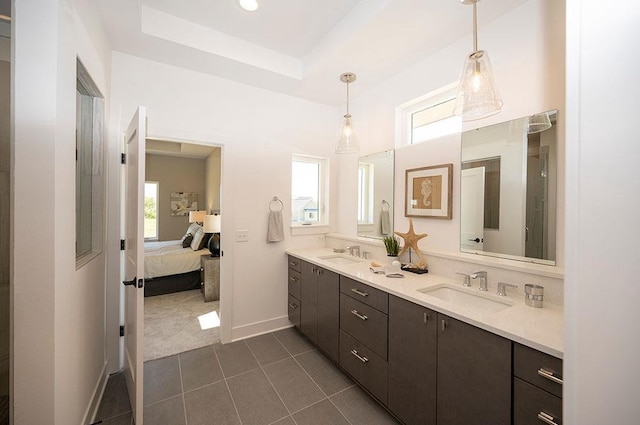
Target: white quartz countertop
{"points": [[539, 328]]}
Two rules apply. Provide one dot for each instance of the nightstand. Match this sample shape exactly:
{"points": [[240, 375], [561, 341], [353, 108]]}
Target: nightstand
{"points": [[210, 277]]}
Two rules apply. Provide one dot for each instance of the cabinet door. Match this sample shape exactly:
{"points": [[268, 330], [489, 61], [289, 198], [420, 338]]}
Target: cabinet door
{"points": [[309, 301], [329, 313], [413, 353], [474, 375]]}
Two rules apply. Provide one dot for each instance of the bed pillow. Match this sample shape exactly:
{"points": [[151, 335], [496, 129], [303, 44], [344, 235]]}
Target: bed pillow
{"points": [[186, 240], [197, 239], [193, 228]]}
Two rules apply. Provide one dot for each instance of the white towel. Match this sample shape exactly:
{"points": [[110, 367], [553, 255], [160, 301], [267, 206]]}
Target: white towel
{"points": [[385, 222], [275, 230]]}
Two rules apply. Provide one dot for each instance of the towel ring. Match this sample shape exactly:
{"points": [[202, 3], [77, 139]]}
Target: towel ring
{"points": [[385, 203], [275, 199]]}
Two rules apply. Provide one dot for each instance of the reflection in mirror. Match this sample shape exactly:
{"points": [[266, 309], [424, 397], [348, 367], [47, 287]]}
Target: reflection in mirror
{"points": [[508, 189], [375, 195]]}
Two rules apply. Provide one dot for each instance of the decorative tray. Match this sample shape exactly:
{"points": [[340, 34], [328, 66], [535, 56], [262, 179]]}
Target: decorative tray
{"points": [[414, 269]]}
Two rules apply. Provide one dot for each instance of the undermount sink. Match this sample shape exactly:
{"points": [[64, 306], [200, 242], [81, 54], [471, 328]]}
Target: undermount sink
{"points": [[340, 259], [467, 299]]}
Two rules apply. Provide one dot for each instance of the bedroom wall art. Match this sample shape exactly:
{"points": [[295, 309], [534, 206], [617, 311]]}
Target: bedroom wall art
{"points": [[183, 202]]}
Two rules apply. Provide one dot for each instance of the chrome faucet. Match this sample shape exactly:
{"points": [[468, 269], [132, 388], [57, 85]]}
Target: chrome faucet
{"points": [[354, 248], [502, 288], [483, 279], [466, 282]]}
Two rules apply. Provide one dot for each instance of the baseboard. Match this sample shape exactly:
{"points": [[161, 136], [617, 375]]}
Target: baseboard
{"points": [[92, 409], [258, 328]]}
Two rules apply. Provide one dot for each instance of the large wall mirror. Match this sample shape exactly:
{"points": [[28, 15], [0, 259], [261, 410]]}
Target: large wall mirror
{"points": [[508, 189], [375, 195]]}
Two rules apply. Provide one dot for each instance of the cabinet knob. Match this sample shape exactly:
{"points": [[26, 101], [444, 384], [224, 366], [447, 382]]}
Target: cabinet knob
{"points": [[547, 418], [443, 324], [358, 315], [363, 359], [293, 306], [547, 374], [357, 291]]}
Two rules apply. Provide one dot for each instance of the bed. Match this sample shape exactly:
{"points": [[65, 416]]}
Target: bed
{"points": [[168, 267]]}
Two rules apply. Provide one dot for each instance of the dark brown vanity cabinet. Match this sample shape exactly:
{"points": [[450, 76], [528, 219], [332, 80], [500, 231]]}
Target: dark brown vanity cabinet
{"points": [[293, 279], [363, 335], [413, 354], [473, 375], [537, 387], [320, 307]]}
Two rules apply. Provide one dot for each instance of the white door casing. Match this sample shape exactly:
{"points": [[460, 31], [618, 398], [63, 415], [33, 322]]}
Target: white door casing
{"points": [[134, 262]]}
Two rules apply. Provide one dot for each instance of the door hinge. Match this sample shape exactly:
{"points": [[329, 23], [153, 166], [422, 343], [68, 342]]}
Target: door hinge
{"points": [[121, 330], [123, 158], [121, 244]]}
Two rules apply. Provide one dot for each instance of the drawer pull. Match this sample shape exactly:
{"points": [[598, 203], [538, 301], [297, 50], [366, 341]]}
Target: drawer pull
{"points": [[549, 375], [293, 279], [359, 292], [546, 418], [293, 263], [363, 359], [358, 315], [293, 306]]}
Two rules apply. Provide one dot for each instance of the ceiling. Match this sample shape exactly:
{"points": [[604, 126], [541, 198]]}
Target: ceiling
{"points": [[295, 47]]}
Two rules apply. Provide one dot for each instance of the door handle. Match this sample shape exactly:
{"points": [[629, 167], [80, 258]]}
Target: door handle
{"points": [[131, 282], [476, 240]]}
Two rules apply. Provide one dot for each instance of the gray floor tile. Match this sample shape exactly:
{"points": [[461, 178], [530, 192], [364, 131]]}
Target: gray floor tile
{"points": [[210, 405], [324, 372], [124, 419], [293, 341], [255, 398], [161, 379], [166, 412], [115, 400], [285, 421], [267, 349], [199, 368], [322, 413], [360, 409], [235, 358], [293, 385]]}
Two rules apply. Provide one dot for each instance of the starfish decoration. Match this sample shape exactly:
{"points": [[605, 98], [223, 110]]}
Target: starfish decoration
{"points": [[411, 240]]}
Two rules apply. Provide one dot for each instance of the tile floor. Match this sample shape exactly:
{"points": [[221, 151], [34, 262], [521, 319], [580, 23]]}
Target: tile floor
{"points": [[277, 378]]}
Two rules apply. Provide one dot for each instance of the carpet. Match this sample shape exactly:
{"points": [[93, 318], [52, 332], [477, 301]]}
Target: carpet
{"points": [[171, 323]]}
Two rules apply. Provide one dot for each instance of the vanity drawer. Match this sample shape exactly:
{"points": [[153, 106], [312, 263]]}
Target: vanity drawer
{"points": [[294, 283], [533, 406], [294, 310], [369, 369], [537, 368], [294, 263], [371, 296], [364, 323]]}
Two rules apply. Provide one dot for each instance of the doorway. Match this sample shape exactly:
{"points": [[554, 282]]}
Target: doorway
{"points": [[186, 187]]}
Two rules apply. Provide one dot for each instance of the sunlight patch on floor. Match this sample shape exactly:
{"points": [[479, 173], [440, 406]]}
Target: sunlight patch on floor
{"points": [[209, 320]]}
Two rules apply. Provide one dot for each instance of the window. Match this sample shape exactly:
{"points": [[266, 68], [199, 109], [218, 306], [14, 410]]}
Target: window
{"points": [[307, 190], [428, 117], [150, 210], [89, 167]]}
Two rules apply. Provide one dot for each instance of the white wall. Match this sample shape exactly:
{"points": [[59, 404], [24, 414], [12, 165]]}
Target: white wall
{"points": [[58, 311], [212, 189], [602, 209], [258, 131]]}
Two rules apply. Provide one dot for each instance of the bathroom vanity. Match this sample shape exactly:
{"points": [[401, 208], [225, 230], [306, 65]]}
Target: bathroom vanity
{"points": [[428, 349]]}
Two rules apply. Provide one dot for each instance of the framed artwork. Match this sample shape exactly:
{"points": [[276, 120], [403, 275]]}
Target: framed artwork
{"points": [[183, 202], [428, 191]]}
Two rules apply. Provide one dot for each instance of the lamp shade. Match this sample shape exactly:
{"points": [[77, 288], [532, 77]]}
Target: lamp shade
{"points": [[212, 224], [196, 216], [348, 143], [477, 96]]}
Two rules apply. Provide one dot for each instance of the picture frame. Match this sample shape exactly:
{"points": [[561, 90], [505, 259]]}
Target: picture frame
{"points": [[428, 192], [183, 202]]}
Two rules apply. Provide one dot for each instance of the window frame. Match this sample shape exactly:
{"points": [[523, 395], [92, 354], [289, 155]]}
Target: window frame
{"points": [[320, 226], [404, 113]]}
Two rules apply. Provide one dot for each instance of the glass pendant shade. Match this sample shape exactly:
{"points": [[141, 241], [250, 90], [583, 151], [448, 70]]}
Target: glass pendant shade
{"points": [[478, 95], [538, 123], [348, 143]]}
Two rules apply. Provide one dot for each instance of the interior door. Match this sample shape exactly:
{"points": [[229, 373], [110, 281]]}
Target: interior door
{"points": [[472, 207], [134, 261]]}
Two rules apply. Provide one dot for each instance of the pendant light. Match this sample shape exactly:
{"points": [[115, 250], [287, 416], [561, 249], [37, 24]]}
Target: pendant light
{"points": [[539, 122], [249, 5], [348, 142], [477, 96]]}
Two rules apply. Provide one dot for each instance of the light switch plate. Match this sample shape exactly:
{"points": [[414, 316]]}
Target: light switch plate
{"points": [[242, 235]]}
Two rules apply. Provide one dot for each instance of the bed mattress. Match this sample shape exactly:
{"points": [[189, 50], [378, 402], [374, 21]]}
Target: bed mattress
{"points": [[169, 257]]}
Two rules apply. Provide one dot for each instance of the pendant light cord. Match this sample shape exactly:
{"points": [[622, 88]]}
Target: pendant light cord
{"points": [[475, 27], [347, 98]]}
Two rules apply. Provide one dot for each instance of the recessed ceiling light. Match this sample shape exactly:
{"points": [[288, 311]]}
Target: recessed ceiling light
{"points": [[249, 5]]}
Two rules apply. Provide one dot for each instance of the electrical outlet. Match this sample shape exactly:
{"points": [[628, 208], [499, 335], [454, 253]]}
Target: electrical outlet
{"points": [[242, 235]]}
